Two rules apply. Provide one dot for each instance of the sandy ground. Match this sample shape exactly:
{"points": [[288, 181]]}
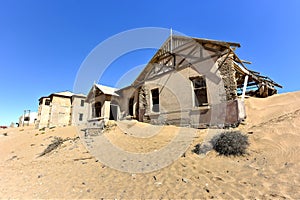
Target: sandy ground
{"points": [[269, 171]]}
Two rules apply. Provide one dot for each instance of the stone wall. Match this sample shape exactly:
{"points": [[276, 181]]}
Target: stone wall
{"points": [[227, 72]]}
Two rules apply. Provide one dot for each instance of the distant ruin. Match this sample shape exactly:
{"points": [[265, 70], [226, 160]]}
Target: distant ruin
{"points": [[61, 109]]}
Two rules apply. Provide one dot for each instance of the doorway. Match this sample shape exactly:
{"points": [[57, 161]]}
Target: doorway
{"points": [[113, 115], [130, 104]]}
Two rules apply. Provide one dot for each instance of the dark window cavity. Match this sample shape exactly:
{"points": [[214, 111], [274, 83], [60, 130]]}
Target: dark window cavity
{"points": [[155, 100], [80, 116], [82, 103], [47, 102], [96, 111], [130, 104], [200, 91]]}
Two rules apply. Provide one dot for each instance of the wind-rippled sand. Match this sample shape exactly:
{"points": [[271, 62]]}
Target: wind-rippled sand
{"points": [[270, 171]]}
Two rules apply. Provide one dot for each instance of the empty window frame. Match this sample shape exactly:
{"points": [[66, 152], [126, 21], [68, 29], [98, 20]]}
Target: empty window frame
{"points": [[96, 110], [155, 100], [47, 102], [82, 103], [80, 116], [200, 90]]}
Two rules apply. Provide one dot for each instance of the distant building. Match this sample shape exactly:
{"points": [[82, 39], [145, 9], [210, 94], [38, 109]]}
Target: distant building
{"points": [[79, 112], [101, 104], [62, 109], [28, 119]]}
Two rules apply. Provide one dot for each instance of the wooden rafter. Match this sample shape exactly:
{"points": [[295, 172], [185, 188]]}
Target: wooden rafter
{"points": [[182, 55]]}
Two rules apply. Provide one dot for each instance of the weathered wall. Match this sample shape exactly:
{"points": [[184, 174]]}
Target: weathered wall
{"points": [[60, 113], [123, 101], [175, 97], [77, 109], [177, 104], [43, 114], [105, 106]]}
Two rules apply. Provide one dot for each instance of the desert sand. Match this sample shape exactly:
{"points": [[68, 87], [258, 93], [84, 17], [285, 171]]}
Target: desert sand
{"points": [[270, 170]]}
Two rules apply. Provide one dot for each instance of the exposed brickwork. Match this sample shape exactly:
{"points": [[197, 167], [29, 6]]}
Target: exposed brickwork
{"points": [[143, 96], [227, 72]]}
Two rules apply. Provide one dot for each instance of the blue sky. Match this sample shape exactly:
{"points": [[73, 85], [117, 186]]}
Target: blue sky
{"points": [[43, 43]]}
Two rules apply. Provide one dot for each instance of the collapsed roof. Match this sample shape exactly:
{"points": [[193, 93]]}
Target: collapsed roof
{"points": [[178, 45]]}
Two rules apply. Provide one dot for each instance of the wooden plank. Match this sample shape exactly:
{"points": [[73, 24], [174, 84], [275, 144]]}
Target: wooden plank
{"points": [[245, 87]]}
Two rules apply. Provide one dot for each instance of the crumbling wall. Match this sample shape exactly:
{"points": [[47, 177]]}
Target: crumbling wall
{"points": [[227, 72], [143, 102]]}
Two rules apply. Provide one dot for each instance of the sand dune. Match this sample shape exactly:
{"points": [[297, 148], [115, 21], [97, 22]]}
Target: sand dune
{"points": [[270, 171]]}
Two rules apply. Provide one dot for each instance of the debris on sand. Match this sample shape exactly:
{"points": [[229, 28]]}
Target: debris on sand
{"points": [[56, 142]]}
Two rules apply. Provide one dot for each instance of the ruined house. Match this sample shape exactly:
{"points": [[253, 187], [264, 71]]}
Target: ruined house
{"points": [[62, 109], [188, 82], [28, 118], [102, 107]]}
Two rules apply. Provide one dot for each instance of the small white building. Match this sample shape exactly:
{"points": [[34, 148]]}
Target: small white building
{"points": [[102, 105], [28, 119]]}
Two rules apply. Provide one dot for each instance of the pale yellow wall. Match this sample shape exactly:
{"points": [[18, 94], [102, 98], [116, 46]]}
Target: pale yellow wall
{"points": [[106, 110], [43, 114], [60, 111]]}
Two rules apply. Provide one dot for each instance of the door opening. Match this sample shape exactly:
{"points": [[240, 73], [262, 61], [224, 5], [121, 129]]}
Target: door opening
{"points": [[113, 115]]}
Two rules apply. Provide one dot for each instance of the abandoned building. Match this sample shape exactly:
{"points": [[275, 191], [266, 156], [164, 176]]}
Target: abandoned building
{"points": [[27, 118], [188, 82], [101, 105], [62, 109]]}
